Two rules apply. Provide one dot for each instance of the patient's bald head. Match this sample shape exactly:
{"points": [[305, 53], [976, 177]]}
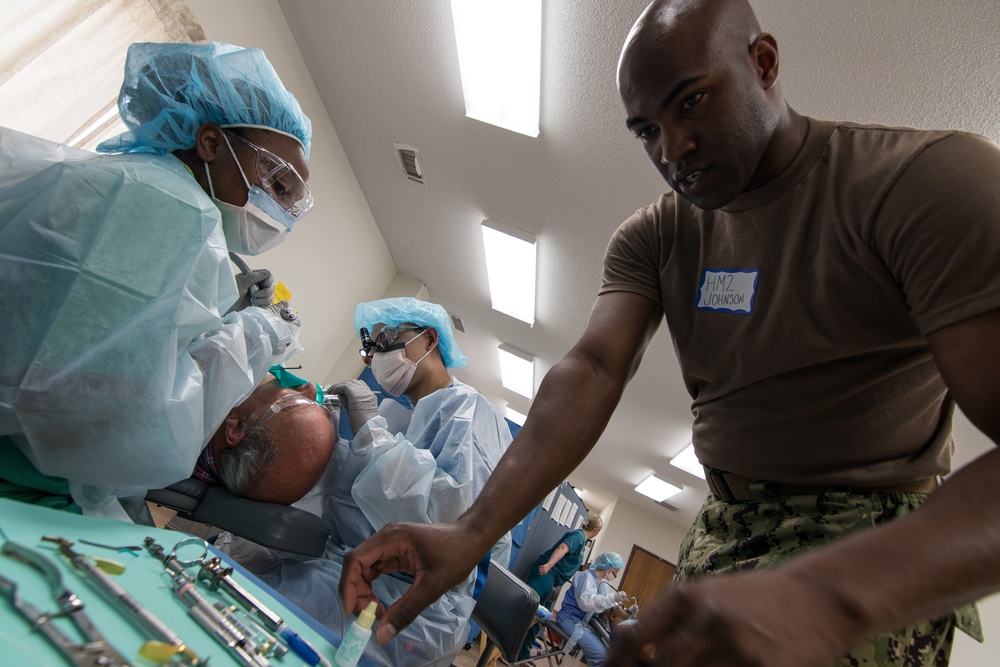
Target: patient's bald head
{"points": [[275, 455]]}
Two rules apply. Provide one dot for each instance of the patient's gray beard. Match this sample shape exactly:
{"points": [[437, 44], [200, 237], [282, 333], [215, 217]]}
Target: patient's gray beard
{"points": [[242, 467]]}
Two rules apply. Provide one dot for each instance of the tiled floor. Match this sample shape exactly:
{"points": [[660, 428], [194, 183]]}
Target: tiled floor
{"points": [[469, 658]]}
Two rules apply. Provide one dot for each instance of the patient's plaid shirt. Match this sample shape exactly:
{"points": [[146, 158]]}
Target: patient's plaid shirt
{"points": [[205, 469]]}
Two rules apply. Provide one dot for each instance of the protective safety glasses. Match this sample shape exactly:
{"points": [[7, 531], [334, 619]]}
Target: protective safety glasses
{"points": [[292, 401], [383, 341], [279, 179]]}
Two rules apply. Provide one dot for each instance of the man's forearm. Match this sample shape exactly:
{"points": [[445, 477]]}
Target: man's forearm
{"points": [[573, 405], [557, 555]]}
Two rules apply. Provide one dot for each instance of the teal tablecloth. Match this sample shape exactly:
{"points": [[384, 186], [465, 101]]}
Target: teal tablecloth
{"points": [[143, 579]]}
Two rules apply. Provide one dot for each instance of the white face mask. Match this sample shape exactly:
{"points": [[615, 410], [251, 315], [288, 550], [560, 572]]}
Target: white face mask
{"points": [[393, 370], [249, 229]]}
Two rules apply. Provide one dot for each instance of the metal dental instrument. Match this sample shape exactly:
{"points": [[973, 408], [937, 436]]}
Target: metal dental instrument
{"points": [[218, 577], [120, 598], [94, 651], [217, 625], [267, 645], [202, 611], [221, 578], [113, 548]]}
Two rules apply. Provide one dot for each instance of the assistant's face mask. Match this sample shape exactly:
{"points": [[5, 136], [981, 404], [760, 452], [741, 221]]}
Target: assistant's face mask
{"points": [[393, 370], [257, 225]]}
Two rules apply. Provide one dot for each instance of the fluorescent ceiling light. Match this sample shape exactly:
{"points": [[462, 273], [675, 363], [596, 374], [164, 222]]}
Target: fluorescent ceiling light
{"points": [[500, 55], [104, 118], [657, 489], [516, 416], [517, 371], [510, 266], [688, 462]]}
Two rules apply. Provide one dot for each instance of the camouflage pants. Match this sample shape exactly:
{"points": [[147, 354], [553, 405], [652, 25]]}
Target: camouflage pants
{"points": [[762, 533]]}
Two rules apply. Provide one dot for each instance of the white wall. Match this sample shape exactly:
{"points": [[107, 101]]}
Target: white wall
{"points": [[356, 266], [630, 524]]}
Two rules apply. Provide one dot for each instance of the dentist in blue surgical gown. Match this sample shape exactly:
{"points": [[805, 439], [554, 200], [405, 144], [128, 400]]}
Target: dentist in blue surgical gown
{"points": [[122, 360], [427, 464]]}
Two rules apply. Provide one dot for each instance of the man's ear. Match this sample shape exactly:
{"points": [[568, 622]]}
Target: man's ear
{"points": [[432, 336], [232, 431], [764, 56], [208, 142]]}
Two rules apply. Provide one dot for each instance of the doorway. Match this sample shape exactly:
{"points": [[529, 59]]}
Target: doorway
{"points": [[645, 575]]}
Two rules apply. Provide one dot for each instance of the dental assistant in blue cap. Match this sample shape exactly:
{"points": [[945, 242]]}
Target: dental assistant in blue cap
{"points": [[139, 339], [589, 594]]}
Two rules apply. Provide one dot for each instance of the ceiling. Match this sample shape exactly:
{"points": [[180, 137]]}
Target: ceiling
{"points": [[387, 72]]}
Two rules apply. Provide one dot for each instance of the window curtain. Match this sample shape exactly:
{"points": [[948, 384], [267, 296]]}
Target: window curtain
{"points": [[62, 61]]}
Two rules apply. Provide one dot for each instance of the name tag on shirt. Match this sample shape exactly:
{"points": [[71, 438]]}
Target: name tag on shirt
{"points": [[728, 290]]}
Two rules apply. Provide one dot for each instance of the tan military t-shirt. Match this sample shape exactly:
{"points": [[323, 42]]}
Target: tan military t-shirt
{"points": [[799, 311]]}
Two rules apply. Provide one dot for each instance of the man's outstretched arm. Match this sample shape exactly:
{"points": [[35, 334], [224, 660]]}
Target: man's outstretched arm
{"points": [[573, 405], [810, 611]]}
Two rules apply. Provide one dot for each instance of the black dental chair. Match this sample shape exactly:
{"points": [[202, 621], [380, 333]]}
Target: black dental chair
{"points": [[268, 524]]}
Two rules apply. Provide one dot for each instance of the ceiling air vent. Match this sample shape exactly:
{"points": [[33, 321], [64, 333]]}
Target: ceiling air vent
{"points": [[664, 503], [457, 322], [409, 161]]}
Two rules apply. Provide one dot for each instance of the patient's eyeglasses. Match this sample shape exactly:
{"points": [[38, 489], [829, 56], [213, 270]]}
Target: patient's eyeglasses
{"points": [[383, 341], [280, 180], [291, 401]]}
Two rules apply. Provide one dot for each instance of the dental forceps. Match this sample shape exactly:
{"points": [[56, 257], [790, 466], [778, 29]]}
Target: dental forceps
{"points": [[94, 651]]}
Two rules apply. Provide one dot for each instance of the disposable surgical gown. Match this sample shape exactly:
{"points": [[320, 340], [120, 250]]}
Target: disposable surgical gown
{"points": [[430, 473], [118, 364]]}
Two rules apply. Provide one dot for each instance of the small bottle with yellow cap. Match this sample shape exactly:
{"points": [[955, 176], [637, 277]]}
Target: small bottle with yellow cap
{"points": [[356, 638]]}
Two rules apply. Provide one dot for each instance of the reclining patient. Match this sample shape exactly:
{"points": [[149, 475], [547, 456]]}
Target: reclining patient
{"points": [[429, 466]]}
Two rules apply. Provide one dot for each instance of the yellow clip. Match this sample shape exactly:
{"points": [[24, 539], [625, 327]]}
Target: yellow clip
{"points": [[281, 293]]}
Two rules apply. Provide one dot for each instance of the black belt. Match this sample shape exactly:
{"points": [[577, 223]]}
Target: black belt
{"points": [[733, 488]]}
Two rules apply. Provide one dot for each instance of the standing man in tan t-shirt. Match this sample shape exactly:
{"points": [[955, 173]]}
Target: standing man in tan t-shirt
{"points": [[699, 82]]}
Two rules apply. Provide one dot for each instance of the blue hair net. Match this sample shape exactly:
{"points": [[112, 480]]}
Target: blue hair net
{"points": [[391, 312], [608, 560], [171, 90]]}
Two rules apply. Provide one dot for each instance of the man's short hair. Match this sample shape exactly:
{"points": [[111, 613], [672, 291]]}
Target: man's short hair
{"points": [[242, 467]]}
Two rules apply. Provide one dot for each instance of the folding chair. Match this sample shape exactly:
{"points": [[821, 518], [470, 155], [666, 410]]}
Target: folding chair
{"points": [[505, 609]]}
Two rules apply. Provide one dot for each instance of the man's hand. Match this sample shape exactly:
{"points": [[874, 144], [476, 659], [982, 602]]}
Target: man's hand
{"points": [[743, 620], [438, 555], [358, 399], [256, 289], [544, 568]]}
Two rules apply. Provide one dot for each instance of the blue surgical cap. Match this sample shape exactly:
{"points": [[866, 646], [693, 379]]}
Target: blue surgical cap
{"points": [[392, 312], [171, 90], [608, 560]]}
